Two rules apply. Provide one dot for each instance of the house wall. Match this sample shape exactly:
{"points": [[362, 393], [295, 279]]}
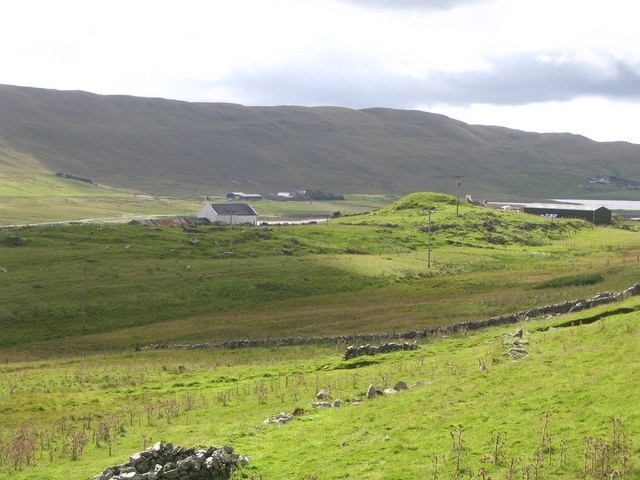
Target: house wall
{"points": [[600, 216], [237, 219], [207, 211]]}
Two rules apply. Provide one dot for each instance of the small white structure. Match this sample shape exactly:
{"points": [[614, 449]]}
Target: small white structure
{"points": [[229, 213]]}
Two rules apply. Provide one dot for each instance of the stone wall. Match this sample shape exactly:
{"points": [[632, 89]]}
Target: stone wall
{"points": [[546, 310], [163, 461], [359, 351]]}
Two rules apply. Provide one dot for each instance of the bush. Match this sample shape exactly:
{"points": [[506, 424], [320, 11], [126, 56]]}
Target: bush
{"points": [[573, 281]]}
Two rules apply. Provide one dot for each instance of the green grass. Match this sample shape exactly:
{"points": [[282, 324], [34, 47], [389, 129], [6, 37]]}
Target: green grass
{"points": [[584, 279], [359, 273], [567, 389], [42, 197]]}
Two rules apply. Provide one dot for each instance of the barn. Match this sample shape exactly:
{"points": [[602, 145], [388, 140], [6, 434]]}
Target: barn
{"points": [[592, 213], [229, 213]]}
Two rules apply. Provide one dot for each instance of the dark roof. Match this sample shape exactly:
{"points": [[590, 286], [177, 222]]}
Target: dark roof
{"points": [[233, 209], [565, 206]]}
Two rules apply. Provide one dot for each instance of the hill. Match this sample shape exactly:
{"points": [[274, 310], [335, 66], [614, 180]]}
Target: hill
{"points": [[192, 149]]}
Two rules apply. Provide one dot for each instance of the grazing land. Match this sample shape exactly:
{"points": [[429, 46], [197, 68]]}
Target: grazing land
{"points": [[81, 303]]}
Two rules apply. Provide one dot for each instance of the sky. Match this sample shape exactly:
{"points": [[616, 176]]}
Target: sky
{"points": [[534, 65]]}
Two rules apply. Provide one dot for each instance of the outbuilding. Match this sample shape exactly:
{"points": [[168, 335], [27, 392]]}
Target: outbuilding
{"points": [[229, 213], [595, 214]]}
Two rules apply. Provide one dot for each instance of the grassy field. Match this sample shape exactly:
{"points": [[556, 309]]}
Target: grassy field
{"points": [[45, 198], [79, 301], [562, 411]]}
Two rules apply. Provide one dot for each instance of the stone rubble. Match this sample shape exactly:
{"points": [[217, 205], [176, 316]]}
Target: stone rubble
{"points": [[164, 461]]}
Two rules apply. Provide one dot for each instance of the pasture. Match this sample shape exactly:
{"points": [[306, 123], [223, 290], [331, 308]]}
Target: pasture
{"points": [[80, 302]]}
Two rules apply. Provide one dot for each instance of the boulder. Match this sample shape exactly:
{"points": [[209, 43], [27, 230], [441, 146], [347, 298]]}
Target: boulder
{"points": [[373, 392]]}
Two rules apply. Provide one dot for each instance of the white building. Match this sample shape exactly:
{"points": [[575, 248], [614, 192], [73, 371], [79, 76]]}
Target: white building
{"points": [[229, 213]]}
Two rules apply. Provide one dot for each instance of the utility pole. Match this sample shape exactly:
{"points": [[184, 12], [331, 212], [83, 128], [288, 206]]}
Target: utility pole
{"points": [[458, 178], [85, 269], [429, 210], [429, 242]]}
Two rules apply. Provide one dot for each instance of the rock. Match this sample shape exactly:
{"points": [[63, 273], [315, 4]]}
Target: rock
{"points": [[281, 417], [373, 392], [516, 352], [400, 386], [323, 394]]}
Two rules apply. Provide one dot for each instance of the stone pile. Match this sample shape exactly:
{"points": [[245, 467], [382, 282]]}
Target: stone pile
{"points": [[516, 342], [164, 461]]}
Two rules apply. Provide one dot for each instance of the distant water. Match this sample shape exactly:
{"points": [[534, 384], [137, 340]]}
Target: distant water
{"points": [[629, 205]]}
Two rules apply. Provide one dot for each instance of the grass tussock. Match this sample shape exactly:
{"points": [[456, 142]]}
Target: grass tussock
{"points": [[573, 281]]}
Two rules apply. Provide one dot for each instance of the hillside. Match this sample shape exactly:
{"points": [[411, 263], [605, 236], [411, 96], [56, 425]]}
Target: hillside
{"points": [[191, 149]]}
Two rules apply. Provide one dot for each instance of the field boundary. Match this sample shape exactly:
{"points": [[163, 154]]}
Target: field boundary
{"points": [[569, 306]]}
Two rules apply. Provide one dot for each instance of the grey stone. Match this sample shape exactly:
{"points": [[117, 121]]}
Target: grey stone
{"points": [[400, 386], [166, 462], [373, 392], [323, 394]]}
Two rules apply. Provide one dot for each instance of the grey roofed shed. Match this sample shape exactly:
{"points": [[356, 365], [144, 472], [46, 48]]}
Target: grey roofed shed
{"points": [[595, 214]]}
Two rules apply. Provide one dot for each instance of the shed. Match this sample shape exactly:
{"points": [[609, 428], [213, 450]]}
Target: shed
{"points": [[229, 213], [595, 214], [248, 197]]}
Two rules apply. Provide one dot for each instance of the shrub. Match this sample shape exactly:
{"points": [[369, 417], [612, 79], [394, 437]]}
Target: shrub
{"points": [[573, 281]]}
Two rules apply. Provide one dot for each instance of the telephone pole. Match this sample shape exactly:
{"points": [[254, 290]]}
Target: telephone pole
{"points": [[458, 178]]}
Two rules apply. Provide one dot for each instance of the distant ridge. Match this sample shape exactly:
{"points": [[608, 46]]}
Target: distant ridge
{"points": [[179, 148]]}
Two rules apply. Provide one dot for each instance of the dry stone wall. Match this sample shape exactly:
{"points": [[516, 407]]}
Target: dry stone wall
{"points": [[358, 351], [546, 310]]}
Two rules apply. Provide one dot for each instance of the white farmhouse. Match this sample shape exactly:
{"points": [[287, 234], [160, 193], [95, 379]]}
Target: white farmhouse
{"points": [[229, 213]]}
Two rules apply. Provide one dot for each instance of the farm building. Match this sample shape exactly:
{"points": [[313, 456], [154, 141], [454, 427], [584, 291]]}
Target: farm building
{"points": [[591, 213], [229, 213], [247, 197]]}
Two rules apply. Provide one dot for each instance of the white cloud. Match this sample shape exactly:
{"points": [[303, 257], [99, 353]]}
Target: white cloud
{"points": [[595, 118]]}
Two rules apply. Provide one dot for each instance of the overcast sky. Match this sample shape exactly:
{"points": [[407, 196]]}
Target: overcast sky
{"points": [[536, 65]]}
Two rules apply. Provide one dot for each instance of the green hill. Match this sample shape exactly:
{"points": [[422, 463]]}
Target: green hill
{"points": [[192, 149]]}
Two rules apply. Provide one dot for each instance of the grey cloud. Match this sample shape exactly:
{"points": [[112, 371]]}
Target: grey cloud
{"points": [[414, 4], [353, 83], [525, 79]]}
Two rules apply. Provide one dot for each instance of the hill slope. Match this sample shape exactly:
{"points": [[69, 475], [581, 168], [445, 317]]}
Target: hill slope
{"points": [[179, 148]]}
